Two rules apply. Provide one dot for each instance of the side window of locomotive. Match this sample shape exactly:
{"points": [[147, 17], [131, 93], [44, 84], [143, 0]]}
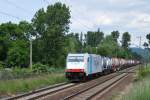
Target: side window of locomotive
{"points": [[88, 59], [96, 61]]}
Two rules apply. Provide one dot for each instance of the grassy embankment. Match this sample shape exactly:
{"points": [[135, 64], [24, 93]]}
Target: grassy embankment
{"points": [[141, 87], [19, 85]]}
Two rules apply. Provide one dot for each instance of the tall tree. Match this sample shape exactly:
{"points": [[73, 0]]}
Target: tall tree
{"points": [[14, 45], [148, 37], [77, 36], [145, 45], [3, 49], [99, 36], [27, 29], [81, 38], [108, 47], [73, 45], [52, 25], [115, 35], [11, 31], [39, 22], [94, 38], [126, 40], [18, 54]]}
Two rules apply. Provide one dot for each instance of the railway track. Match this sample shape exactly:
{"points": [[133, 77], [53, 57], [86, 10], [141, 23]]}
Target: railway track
{"points": [[98, 89], [75, 91], [83, 93], [41, 92]]}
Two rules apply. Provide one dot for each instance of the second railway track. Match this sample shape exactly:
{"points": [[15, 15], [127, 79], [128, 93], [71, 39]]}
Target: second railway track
{"points": [[97, 89], [41, 92]]}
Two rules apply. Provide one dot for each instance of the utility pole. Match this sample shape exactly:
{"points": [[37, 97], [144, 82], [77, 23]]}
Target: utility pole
{"points": [[96, 50], [31, 54], [140, 38], [139, 48]]}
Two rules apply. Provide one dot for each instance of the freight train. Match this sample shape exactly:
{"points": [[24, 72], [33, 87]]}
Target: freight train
{"points": [[83, 66]]}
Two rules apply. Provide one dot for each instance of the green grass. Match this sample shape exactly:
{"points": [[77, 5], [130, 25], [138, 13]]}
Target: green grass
{"points": [[143, 72], [19, 73], [140, 91], [141, 88], [10, 87]]}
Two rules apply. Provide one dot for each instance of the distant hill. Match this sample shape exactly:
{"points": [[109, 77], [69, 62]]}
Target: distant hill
{"points": [[144, 53]]}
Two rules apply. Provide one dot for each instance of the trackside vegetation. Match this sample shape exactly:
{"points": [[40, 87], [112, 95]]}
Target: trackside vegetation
{"points": [[22, 73], [141, 87], [20, 80], [11, 87]]}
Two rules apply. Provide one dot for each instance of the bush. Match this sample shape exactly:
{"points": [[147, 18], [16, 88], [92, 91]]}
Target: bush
{"points": [[30, 84], [21, 72], [15, 73], [39, 68], [143, 71], [6, 74], [18, 54], [55, 70], [1, 65]]}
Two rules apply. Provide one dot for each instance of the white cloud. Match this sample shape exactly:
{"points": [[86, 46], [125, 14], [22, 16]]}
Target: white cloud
{"points": [[123, 15], [127, 2], [140, 21]]}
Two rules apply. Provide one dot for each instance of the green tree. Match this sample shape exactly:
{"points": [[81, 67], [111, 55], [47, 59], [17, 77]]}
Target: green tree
{"points": [[11, 31], [115, 35], [108, 47], [18, 54], [81, 38], [27, 29], [72, 44], [145, 45], [94, 38], [39, 22], [3, 49], [148, 37], [51, 26], [14, 44], [125, 40], [99, 36]]}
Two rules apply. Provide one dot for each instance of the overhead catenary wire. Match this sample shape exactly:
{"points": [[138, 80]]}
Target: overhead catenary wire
{"points": [[46, 1], [81, 23], [16, 17], [78, 13], [18, 7], [9, 15], [74, 18]]}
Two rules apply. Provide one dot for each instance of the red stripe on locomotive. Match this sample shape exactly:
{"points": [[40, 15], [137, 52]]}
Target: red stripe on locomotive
{"points": [[74, 70]]}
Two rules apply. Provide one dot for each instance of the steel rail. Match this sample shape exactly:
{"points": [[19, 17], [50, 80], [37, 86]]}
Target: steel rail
{"points": [[109, 85], [84, 90], [39, 91]]}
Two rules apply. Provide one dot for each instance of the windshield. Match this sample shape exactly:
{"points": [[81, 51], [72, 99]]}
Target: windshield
{"points": [[75, 59]]}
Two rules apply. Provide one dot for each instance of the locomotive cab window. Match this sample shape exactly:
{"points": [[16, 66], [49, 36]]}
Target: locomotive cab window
{"points": [[75, 59]]}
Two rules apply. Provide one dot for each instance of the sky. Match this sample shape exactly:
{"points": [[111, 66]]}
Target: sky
{"points": [[132, 16]]}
